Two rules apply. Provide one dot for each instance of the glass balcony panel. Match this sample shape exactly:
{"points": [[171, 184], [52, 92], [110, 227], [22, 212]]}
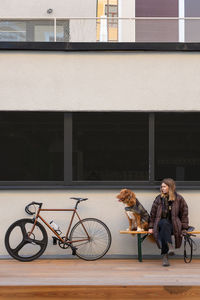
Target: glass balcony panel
{"points": [[43, 30], [157, 31], [102, 29], [34, 30], [83, 30], [192, 31], [12, 31], [63, 30]]}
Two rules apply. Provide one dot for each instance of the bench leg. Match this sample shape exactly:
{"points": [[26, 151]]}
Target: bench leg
{"points": [[139, 247]]}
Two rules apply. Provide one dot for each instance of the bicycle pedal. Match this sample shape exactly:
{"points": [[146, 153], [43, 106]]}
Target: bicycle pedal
{"points": [[74, 250], [54, 240]]}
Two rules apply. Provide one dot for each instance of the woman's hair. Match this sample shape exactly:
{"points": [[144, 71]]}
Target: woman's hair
{"points": [[172, 188]]}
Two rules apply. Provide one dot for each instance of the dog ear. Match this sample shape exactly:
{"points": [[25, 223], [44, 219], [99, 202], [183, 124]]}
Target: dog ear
{"points": [[132, 200], [127, 195], [123, 192], [127, 192], [133, 195]]}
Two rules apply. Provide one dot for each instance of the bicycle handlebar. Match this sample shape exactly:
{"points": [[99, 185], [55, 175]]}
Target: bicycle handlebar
{"points": [[32, 203]]}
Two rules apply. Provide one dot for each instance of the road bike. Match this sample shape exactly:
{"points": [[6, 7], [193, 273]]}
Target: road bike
{"points": [[26, 239]]}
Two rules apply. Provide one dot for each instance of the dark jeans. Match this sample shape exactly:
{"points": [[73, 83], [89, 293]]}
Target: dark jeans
{"points": [[165, 234]]}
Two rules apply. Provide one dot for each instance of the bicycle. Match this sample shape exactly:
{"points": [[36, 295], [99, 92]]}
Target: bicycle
{"points": [[89, 238]]}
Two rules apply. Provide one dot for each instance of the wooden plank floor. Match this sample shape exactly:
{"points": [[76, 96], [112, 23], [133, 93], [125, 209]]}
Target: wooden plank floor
{"points": [[103, 279], [100, 272], [101, 292]]}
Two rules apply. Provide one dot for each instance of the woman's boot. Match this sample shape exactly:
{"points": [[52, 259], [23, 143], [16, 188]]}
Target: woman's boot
{"points": [[171, 249], [165, 260]]}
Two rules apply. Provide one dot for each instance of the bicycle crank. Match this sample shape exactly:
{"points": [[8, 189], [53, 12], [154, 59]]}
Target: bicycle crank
{"points": [[64, 245]]}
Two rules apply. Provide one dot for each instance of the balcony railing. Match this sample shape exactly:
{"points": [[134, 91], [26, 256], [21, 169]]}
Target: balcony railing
{"points": [[102, 29]]}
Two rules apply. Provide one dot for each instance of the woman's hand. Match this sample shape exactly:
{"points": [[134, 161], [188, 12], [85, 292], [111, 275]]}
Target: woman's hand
{"points": [[184, 232], [150, 230]]}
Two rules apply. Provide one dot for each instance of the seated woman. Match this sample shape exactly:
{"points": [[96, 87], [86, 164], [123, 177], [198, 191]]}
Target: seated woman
{"points": [[169, 216]]}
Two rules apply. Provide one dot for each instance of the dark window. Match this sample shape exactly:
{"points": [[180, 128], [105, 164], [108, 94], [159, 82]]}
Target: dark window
{"points": [[110, 146], [177, 146], [31, 146]]}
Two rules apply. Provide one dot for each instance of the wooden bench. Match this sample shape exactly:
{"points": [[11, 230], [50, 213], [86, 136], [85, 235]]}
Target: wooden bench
{"points": [[141, 235]]}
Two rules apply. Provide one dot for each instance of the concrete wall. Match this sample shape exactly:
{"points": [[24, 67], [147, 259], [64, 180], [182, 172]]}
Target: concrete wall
{"points": [[80, 30], [38, 9], [102, 204], [107, 81], [126, 9], [132, 81]]}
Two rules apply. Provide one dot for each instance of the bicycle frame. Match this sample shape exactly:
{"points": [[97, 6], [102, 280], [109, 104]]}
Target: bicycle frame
{"points": [[75, 213]]}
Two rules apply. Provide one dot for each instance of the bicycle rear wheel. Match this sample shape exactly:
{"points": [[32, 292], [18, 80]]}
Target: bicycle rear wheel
{"points": [[93, 239], [22, 247]]}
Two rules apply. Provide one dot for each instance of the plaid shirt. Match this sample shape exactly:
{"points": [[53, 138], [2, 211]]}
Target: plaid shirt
{"points": [[140, 210]]}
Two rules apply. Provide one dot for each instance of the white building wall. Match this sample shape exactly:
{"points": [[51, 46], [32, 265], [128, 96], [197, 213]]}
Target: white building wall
{"points": [[81, 30], [38, 9], [126, 9], [97, 81], [102, 204], [100, 81]]}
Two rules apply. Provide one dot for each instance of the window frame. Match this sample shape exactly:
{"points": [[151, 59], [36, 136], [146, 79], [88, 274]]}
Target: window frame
{"points": [[70, 184]]}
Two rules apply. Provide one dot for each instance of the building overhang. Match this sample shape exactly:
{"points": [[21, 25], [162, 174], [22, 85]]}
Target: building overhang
{"points": [[102, 46]]}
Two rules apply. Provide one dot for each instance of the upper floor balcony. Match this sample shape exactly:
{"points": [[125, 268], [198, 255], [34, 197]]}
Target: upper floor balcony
{"points": [[104, 29]]}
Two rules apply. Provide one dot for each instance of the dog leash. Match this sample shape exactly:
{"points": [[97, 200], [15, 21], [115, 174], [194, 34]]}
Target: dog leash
{"points": [[188, 241]]}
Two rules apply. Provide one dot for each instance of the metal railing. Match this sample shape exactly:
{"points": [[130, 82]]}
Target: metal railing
{"points": [[103, 29]]}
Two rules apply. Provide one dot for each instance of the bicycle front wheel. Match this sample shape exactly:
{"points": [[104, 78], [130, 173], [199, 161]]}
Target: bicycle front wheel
{"points": [[20, 245], [91, 237]]}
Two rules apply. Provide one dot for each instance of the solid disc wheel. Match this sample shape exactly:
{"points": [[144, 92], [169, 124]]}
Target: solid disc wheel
{"points": [[23, 247], [93, 238]]}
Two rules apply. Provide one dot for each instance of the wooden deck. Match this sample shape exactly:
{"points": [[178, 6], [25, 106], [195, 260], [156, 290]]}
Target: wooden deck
{"points": [[103, 279]]}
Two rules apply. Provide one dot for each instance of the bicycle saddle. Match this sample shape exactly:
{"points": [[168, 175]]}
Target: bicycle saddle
{"points": [[79, 199]]}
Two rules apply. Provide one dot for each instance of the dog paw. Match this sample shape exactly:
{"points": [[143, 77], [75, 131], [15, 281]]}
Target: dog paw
{"points": [[139, 229], [128, 229]]}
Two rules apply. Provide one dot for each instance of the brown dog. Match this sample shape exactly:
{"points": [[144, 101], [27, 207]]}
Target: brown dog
{"points": [[138, 217]]}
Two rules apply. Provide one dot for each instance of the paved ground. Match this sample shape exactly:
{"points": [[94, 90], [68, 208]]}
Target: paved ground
{"points": [[102, 272]]}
